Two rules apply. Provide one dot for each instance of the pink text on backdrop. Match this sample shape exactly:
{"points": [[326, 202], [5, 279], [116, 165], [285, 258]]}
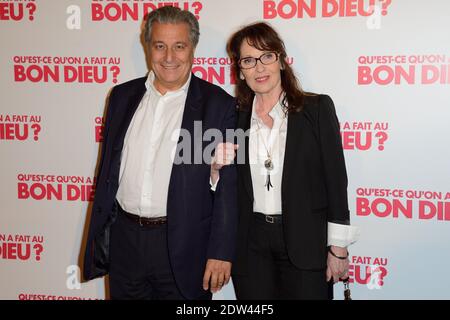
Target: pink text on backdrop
{"points": [[364, 135], [224, 61], [67, 69], [51, 187], [289, 9], [41, 296], [21, 247], [369, 271], [214, 70], [408, 204], [17, 10], [19, 127], [126, 11], [67, 74], [400, 193], [217, 69], [68, 192], [100, 126], [397, 70], [215, 74]]}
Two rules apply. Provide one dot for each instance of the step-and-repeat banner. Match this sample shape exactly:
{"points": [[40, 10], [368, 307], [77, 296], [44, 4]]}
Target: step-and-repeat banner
{"points": [[385, 63]]}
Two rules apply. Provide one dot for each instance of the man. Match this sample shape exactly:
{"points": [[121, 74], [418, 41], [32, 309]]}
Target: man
{"points": [[157, 227]]}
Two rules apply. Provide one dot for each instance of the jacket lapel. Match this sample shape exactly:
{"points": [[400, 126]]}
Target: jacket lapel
{"points": [[244, 169], [289, 152], [193, 111], [132, 104]]}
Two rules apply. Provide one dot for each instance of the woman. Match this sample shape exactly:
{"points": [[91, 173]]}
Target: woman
{"points": [[294, 218]]}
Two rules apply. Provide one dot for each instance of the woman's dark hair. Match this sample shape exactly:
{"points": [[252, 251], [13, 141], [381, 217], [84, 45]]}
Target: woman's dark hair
{"points": [[263, 37]]}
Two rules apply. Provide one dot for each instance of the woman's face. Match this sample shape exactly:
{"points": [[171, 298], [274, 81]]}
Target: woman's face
{"points": [[263, 79]]}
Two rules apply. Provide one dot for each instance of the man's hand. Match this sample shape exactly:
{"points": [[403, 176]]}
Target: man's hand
{"points": [[223, 156], [217, 274], [337, 268]]}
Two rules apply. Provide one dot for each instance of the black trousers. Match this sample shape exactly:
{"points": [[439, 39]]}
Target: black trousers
{"points": [[140, 267], [271, 275]]}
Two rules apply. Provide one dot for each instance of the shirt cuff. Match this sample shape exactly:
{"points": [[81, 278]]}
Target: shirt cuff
{"points": [[341, 235], [213, 186]]}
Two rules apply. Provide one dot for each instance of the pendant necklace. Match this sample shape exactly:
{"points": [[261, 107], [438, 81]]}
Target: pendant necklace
{"points": [[268, 164]]}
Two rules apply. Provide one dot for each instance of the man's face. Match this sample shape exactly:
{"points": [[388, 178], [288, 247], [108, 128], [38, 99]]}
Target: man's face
{"points": [[171, 55]]}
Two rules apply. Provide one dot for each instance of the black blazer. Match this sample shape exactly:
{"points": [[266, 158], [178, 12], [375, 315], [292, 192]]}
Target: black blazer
{"points": [[314, 185], [201, 224]]}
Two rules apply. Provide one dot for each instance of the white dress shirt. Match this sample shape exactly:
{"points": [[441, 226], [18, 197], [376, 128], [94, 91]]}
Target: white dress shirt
{"points": [[147, 154], [263, 140]]}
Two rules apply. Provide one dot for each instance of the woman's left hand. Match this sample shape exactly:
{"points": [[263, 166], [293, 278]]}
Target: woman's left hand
{"points": [[337, 268]]}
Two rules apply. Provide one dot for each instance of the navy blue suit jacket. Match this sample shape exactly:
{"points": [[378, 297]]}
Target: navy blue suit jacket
{"points": [[201, 224]]}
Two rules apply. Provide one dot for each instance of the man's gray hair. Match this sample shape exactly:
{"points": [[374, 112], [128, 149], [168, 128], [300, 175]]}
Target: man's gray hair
{"points": [[174, 15]]}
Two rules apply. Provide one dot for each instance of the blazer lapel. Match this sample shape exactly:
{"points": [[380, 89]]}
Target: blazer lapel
{"points": [[289, 152], [244, 169], [132, 104], [192, 109], [193, 112]]}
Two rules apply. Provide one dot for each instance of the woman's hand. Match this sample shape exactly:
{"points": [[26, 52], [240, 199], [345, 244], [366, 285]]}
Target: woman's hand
{"points": [[337, 268]]}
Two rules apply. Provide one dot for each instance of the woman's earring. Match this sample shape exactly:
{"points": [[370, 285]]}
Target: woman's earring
{"points": [[241, 76]]}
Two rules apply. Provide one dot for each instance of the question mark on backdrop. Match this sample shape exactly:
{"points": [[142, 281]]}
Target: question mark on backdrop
{"points": [[383, 273], [384, 5], [37, 129], [115, 71], [32, 7], [197, 7], [382, 137], [377, 274], [39, 248]]}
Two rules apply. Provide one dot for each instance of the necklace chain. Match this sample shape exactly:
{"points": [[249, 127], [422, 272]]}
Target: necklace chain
{"points": [[269, 155]]}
